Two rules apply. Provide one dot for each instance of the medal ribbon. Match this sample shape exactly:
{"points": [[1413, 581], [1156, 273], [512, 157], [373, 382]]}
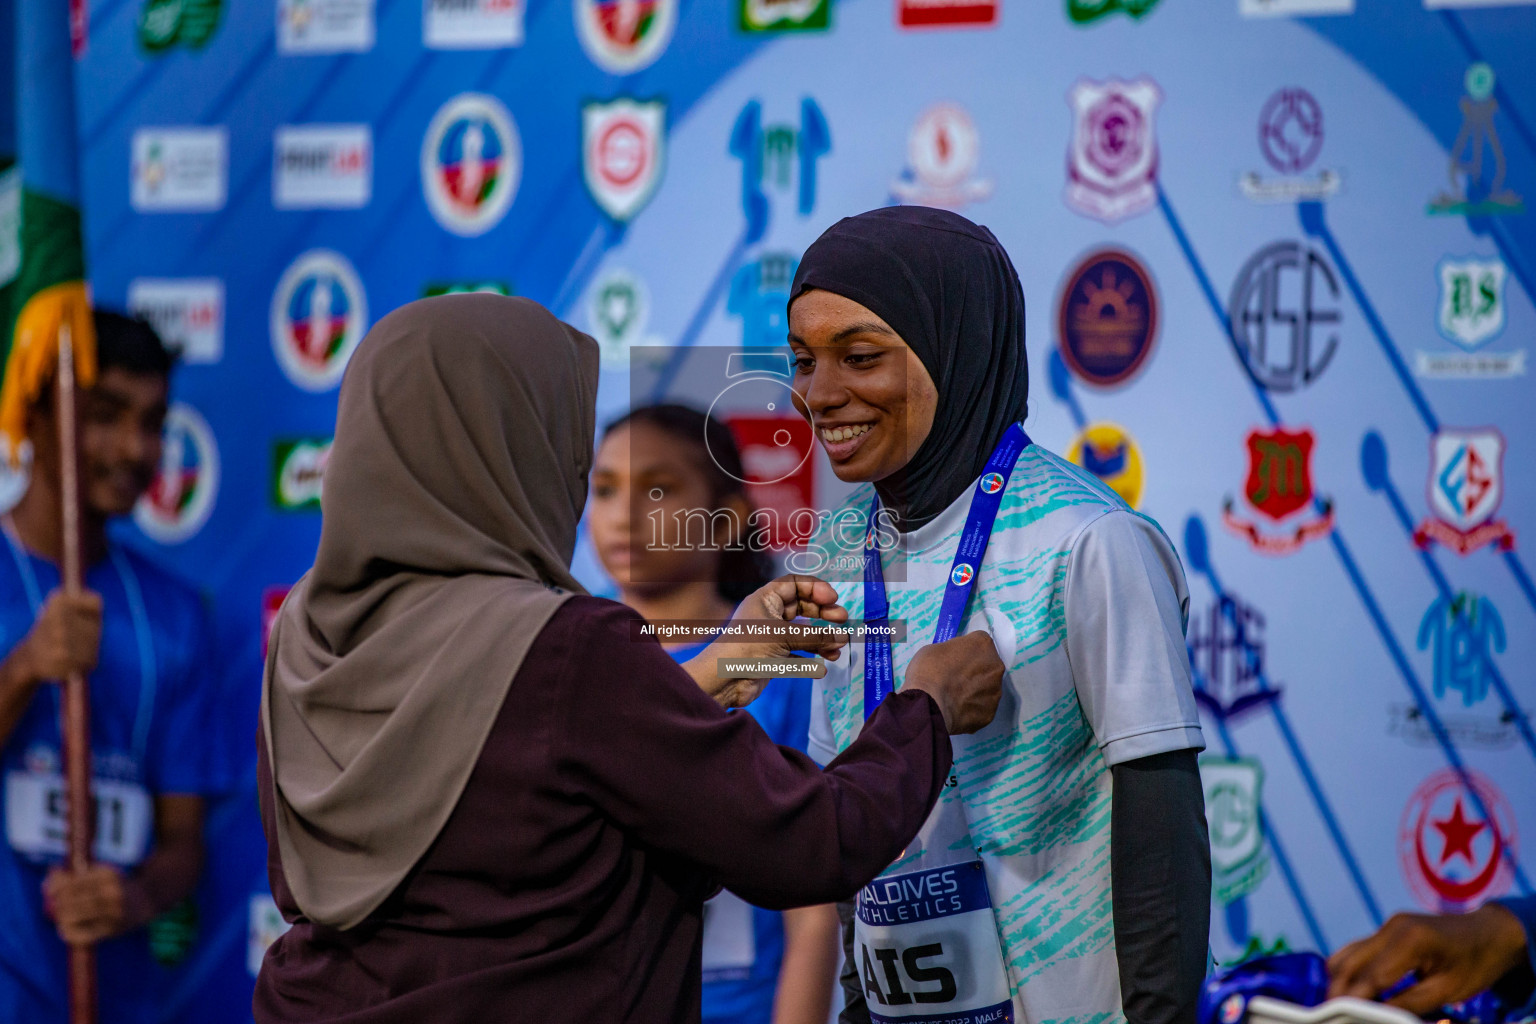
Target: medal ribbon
{"points": [[879, 673]]}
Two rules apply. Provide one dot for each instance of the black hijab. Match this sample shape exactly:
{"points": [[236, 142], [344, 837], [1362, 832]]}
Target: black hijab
{"points": [[948, 288]]}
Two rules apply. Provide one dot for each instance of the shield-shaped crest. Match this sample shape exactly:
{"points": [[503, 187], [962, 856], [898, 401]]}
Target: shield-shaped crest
{"points": [[1466, 476], [1279, 471], [1471, 301], [623, 146], [1112, 165], [1232, 811]]}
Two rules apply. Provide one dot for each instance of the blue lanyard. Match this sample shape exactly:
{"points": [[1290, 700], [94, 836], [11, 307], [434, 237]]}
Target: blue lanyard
{"points": [[879, 674]]}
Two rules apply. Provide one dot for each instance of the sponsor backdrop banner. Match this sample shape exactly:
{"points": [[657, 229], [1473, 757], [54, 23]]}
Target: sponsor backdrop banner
{"points": [[1280, 260]]}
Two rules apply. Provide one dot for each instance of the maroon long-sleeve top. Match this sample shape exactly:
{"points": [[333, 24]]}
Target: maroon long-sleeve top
{"points": [[610, 800]]}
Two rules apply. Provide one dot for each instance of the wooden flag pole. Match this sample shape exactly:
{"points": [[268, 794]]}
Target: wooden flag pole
{"points": [[76, 714]]}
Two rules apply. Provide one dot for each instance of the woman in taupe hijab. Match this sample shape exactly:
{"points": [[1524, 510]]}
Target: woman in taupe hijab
{"points": [[486, 799]]}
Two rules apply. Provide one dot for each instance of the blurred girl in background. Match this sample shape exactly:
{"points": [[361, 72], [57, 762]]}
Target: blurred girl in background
{"points": [[760, 966]]}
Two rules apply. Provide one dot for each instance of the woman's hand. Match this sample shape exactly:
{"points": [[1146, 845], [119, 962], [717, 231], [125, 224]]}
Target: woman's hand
{"points": [[783, 600]]}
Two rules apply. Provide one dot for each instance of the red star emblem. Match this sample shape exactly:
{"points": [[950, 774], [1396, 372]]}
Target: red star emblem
{"points": [[1458, 833]]}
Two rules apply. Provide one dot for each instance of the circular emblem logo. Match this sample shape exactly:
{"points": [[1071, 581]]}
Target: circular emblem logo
{"points": [[1451, 854], [1291, 130], [319, 315], [1232, 1009], [471, 163], [181, 497], [991, 483], [1108, 451], [961, 574], [1107, 321], [625, 35], [1284, 315], [944, 146]]}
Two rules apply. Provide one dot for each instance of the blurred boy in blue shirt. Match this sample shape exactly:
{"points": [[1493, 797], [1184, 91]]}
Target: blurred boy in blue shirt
{"points": [[140, 635]]}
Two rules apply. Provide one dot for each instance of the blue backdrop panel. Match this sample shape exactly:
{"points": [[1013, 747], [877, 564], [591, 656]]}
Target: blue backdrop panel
{"points": [[1331, 401]]}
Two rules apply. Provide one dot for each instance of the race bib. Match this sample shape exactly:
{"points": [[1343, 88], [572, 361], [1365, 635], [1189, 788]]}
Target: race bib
{"points": [[928, 948], [730, 946], [35, 822]]}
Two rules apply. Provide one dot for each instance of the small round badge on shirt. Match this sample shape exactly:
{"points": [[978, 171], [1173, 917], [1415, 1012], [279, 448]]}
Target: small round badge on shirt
{"points": [[961, 574], [991, 483]]}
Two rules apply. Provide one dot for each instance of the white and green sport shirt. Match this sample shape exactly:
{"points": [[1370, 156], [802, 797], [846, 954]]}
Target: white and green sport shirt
{"points": [[1086, 602]]}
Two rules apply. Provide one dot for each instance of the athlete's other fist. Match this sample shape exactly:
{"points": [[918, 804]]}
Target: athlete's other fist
{"points": [[66, 637], [964, 676]]}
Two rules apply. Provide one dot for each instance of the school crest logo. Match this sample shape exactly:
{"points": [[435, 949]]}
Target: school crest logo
{"points": [[991, 483], [1471, 301], [784, 15], [1112, 162], [1279, 489], [471, 164], [319, 314], [618, 312], [943, 151], [961, 574], [1455, 844], [1284, 315], [1233, 817], [1466, 485], [1108, 451], [1107, 318], [167, 23], [181, 497], [1477, 184], [623, 146], [622, 36], [1226, 651], [1290, 138]]}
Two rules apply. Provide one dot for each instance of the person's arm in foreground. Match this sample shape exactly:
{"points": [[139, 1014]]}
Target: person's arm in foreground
{"points": [[102, 902], [1455, 956], [809, 968], [683, 776], [1125, 639]]}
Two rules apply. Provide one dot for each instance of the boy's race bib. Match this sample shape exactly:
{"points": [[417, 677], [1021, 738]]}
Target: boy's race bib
{"points": [[35, 821]]}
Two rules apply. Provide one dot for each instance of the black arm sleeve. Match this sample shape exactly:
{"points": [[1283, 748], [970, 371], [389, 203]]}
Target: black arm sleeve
{"points": [[1160, 861], [855, 1009]]}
